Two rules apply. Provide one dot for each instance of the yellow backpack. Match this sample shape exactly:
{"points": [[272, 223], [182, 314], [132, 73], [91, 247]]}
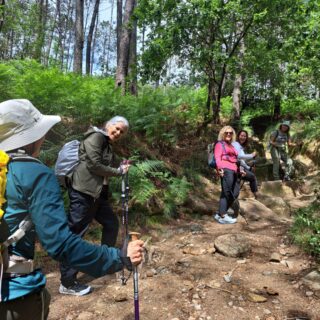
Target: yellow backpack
{"points": [[4, 231]]}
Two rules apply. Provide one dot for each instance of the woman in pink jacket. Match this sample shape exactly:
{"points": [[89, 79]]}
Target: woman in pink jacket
{"points": [[227, 165]]}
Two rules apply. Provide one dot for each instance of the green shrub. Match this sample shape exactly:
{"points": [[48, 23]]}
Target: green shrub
{"points": [[306, 229]]}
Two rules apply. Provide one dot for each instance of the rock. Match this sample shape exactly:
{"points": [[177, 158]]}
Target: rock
{"points": [[211, 250], [312, 280], [275, 257], [276, 204], [289, 264], [86, 316], [271, 291], [149, 273], [256, 297], [195, 251], [120, 297], [276, 188], [309, 293], [243, 261], [232, 245], [282, 251]]}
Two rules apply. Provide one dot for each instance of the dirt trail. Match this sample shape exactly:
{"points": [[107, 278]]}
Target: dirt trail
{"points": [[185, 277]]}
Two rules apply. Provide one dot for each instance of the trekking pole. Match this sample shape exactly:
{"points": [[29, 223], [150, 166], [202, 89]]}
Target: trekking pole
{"points": [[125, 199], [135, 236]]}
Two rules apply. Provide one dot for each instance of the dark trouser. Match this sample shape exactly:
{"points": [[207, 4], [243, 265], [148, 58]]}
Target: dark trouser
{"points": [[251, 177], [230, 188], [34, 306], [83, 209]]}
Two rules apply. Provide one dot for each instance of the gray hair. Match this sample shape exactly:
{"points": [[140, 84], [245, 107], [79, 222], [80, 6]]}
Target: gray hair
{"points": [[115, 120]]}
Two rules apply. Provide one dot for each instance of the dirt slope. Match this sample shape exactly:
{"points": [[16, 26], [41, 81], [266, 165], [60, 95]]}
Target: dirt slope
{"points": [[184, 277]]}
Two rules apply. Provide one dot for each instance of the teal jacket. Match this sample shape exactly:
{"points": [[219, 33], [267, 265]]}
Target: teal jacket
{"points": [[32, 188]]}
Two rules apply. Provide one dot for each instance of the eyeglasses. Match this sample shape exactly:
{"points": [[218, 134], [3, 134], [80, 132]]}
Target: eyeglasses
{"points": [[228, 132]]}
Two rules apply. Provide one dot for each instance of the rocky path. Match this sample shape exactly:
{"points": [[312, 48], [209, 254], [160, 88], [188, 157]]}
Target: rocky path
{"points": [[201, 270]]}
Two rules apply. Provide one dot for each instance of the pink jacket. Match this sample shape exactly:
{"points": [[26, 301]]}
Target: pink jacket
{"points": [[226, 158]]}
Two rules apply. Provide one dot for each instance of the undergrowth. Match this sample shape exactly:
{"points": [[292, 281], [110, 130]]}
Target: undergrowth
{"points": [[306, 229]]}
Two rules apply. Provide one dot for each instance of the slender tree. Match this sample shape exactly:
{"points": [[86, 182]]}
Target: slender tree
{"points": [[90, 35], [79, 37], [124, 50], [2, 6], [119, 26]]}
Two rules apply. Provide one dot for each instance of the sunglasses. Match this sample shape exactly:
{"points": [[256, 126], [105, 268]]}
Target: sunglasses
{"points": [[228, 132]]}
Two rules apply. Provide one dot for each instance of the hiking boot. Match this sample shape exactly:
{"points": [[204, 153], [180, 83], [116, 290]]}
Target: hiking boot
{"points": [[227, 220], [286, 178], [77, 289]]}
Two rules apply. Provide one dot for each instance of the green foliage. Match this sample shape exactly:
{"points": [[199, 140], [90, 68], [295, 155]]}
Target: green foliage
{"points": [[306, 229], [308, 108], [153, 189]]}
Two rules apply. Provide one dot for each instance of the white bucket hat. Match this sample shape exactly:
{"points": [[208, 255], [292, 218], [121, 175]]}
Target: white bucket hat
{"points": [[21, 124]]}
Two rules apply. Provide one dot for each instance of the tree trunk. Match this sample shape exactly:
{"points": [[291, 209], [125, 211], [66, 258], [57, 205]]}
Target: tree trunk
{"points": [[94, 43], [2, 4], [41, 28], [236, 95], [277, 107], [132, 71], [122, 67], [90, 36], [78, 47], [119, 27], [107, 42]]}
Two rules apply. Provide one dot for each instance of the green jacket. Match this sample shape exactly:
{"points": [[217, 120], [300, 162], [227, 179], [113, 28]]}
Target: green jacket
{"points": [[96, 160]]}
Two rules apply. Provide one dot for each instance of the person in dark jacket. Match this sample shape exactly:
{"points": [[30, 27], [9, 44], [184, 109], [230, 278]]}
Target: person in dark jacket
{"points": [[88, 192], [32, 191]]}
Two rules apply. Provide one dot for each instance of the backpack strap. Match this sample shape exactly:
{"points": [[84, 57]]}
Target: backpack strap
{"points": [[224, 149]]}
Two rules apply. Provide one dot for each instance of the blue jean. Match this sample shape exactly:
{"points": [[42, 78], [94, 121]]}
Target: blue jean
{"points": [[230, 189], [83, 209]]}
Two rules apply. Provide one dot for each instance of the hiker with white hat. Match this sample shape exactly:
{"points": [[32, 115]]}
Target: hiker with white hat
{"points": [[279, 140], [32, 190]]}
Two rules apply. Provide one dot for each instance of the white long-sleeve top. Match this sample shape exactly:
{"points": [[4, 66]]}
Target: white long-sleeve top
{"points": [[242, 156]]}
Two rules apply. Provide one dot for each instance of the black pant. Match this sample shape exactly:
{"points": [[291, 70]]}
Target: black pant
{"points": [[251, 177], [34, 306], [83, 209], [230, 188]]}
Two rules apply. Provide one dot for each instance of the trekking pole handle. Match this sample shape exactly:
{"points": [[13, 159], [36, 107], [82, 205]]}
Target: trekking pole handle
{"points": [[134, 236]]}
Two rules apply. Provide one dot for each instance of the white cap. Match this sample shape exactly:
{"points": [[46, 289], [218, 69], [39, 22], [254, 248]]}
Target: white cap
{"points": [[21, 124]]}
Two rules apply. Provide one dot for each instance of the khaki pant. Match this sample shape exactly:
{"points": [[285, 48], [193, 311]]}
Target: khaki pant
{"points": [[34, 306], [278, 154]]}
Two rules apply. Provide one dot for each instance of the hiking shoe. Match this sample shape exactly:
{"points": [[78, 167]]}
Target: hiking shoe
{"points": [[286, 178], [227, 220], [77, 289], [216, 216]]}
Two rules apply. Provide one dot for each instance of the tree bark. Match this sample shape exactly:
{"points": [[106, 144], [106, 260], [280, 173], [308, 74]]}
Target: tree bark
{"points": [[78, 47], [123, 64], [107, 42], [119, 27], [236, 94], [90, 36], [2, 5], [132, 71], [42, 17]]}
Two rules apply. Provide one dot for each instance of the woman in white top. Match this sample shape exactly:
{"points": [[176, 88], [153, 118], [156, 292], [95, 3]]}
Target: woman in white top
{"points": [[239, 145]]}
